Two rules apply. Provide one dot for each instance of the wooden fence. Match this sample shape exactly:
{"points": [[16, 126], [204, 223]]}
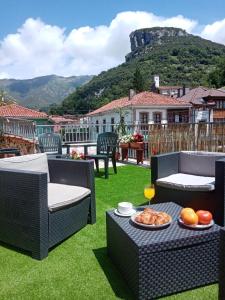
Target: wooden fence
{"points": [[186, 136]]}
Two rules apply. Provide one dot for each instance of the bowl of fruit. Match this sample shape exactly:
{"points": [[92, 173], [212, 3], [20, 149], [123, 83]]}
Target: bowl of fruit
{"points": [[201, 219]]}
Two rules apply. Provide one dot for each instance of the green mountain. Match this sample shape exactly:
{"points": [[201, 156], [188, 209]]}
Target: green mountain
{"points": [[173, 54], [41, 91]]}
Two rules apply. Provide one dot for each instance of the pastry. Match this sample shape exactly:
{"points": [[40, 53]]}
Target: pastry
{"points": [[152, 217]]}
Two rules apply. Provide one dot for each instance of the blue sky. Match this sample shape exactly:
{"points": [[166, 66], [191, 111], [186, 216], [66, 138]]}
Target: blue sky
{"points": [[73, 37], [76, 13]]}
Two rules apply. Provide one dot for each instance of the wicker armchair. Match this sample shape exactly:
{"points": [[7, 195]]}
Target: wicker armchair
{"points": [[26, 221], [200, 167]]}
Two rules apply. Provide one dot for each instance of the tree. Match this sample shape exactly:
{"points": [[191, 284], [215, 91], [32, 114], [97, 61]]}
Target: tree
{"points": [[121, 128], [216, 77], [138, 82], [5, 98]]}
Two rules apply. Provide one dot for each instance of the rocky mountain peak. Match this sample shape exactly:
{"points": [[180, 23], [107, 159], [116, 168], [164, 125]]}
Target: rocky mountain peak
{"points": [[154, 35]]}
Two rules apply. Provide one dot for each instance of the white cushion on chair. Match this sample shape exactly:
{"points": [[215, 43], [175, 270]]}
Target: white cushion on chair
{"points": [[180, 181], [31, 162], [61, 195]]}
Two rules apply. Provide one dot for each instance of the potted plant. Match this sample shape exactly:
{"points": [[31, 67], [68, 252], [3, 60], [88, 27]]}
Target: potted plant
{"points": [[125, 140], [77, 155], [137, 141]]}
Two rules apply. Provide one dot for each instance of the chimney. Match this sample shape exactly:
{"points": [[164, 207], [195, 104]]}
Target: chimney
{"points": [[156, 81], [132, 93], [184, 90], [178, 93]]}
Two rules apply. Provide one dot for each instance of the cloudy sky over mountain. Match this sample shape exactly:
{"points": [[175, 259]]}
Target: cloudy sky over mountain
{"points": [[39, 48]]}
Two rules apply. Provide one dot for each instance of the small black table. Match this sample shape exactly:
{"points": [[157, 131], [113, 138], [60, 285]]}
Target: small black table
{"points": [[160, 262]]}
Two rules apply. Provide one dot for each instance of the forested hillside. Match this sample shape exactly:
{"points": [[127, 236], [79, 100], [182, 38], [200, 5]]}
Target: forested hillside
{"points": [[178, 60]]}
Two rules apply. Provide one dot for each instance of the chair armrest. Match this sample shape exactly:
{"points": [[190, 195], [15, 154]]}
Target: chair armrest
{"points": [[74, 172], [220, 187], [164, 165], [24, 209]]}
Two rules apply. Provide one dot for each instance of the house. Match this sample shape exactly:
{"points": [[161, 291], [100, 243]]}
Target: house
{"points": [[19, 112], [59, 121], [175, 91], [142, 108], [208, 104], [16, 111]]}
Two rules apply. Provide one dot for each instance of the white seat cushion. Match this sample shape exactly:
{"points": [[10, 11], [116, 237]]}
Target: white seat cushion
{"points": [[31, 162], [187, 182], [61, 195]]}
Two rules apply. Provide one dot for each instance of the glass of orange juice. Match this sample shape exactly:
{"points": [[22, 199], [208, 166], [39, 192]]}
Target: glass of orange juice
{"points": [[149, 192]]}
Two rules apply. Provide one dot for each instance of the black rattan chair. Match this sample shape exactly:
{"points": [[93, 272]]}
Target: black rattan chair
{"points": [[106, 149], [214, 200], [50, 143], [25, 219]]}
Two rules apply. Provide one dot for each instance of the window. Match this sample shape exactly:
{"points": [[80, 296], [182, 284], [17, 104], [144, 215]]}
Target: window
{"points": [[157, 116], [104, 126], [112, 124], [143, 118], [97, 126]]}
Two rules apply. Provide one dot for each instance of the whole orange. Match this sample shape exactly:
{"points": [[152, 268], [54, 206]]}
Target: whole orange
{"points": [[186, 210], [190, 218]]}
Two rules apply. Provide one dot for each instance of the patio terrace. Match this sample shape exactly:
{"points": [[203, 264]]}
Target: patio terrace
{"points": [[79, 268]]}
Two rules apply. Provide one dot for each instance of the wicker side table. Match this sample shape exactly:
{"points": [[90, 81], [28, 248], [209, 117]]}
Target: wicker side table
{"points": [[156, 263]]}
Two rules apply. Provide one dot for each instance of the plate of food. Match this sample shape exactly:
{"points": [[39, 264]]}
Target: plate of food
{"points": [[202, 219], [150, 218]]}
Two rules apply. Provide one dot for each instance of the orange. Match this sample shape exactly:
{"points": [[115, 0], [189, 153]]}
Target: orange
{"points": [[185, 210], [190, 218]]}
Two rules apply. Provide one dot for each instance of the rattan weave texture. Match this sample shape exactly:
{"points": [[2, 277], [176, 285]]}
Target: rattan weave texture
{"points": [[161, 262]]}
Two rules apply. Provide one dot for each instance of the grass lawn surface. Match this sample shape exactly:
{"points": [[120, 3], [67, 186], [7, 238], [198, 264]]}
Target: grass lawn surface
{"points": [[79, 267]]}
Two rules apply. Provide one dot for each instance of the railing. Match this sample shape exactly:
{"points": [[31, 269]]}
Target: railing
{"points": [[192, 136], [76, 133], [17, 127]]}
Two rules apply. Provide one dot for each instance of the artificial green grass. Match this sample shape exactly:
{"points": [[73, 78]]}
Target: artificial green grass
{"points": [[79, 267]]}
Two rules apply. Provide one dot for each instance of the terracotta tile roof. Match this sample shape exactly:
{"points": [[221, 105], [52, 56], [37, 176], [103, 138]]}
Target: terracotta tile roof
{"points": [[168, 87], [17, 111], [141, 99], [202, 92], [61, 119]]}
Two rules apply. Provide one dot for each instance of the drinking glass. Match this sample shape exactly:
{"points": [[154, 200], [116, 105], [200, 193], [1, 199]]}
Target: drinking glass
{"points": [[149, 192]]}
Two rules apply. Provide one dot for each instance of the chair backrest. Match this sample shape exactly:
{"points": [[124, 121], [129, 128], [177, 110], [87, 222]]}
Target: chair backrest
{"points": [[50, 142], [199, 162], [107, 141]]}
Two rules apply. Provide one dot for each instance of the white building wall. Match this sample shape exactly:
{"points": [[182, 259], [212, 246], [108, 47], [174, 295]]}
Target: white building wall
{"points": [[109, 116], [150, 114]]}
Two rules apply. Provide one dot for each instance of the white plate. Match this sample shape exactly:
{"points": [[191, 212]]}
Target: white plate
{"points": [[149, 226], [198, 226], [116, 212]]}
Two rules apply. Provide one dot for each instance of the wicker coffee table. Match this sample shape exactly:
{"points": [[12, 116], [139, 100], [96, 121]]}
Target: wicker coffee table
{"points": [[156, 263]]}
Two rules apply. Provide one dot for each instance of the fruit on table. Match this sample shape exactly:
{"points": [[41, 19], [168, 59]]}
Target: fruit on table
{"points": [[204, 217], [186, 210], [189, 217]]}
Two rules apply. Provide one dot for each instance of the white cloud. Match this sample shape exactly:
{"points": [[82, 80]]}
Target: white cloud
{"points": [[39, 49], [215, 32]]}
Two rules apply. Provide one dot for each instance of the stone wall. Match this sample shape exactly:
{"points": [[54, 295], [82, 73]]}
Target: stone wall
{"points": [[25, 146]]}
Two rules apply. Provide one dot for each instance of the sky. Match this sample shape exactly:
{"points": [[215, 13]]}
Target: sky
{"points": [[74, 37]]}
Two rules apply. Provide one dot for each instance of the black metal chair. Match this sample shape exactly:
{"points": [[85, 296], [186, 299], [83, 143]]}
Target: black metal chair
{"points": [[106, 149], [50, 143]]}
